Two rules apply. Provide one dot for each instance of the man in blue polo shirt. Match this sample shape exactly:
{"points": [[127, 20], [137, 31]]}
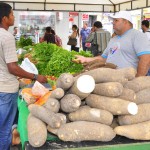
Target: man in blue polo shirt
{"points": [[85, 31], [129, 48]]}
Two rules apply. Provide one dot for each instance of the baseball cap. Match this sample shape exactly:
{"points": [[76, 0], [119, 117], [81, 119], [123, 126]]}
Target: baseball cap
{"points": [[122, 14]]}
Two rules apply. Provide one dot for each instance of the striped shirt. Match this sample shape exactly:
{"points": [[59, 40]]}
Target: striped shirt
{"points": [[8, 82], [101, 38]]}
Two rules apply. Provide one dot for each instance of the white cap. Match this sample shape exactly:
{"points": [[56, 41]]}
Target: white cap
{"points": [[122, 14]]}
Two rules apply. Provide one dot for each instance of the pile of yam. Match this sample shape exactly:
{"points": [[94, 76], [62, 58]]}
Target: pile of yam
{"points": [[96, 105]]}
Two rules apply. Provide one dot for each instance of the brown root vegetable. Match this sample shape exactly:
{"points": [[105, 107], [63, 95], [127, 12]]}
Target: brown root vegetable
{"points": [[45, 115], [37, 132], [62, 117], [63, 121], [114, 105], [93, 65], [58, 93], [138, 131], [86, 113], [110, 89], [142, 115], [129, 73], [83, 86], [143, 96], [70, 103], [110, 65], [85, 131], [65, 81], [128, 94], [138, 84], [52, 104], [52, 130], [105, 75]]}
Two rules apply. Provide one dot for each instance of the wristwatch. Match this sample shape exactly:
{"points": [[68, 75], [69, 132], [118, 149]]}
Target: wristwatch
{"points": [[35, 76]]}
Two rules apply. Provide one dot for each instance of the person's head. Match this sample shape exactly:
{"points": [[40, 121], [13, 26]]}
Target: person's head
{"points": [[15, 30], [6, 15], [75, 28], [145, 25], [122, 21], [48, 29], [53, 32], [97, 25], [85, 25]]}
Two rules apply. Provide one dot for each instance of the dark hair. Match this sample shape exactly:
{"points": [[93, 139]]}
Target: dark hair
{"points": [[53, 32], [75, 27], [15, 28], [48, 29], [145, 23], [5, 10], [98, 24]]}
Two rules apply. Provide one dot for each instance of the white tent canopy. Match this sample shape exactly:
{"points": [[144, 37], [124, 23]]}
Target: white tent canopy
{"points": [[78, 5]]}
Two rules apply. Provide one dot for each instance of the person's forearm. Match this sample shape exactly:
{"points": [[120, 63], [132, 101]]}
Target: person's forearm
{"points": [[88, 59], [18, 71], [143, 67]]}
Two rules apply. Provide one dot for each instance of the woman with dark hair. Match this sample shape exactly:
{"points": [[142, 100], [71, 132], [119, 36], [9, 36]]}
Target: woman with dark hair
{"points": [[58, 40], [49, 37], [75, 34]]}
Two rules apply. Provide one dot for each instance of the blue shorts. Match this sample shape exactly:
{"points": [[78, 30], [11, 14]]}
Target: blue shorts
{"points": [[8, 109]]}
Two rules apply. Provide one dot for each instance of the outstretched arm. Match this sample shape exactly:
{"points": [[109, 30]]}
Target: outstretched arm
{"points": [[83, 59]]}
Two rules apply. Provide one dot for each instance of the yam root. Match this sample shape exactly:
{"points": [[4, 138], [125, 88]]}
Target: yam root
{"points": [[138, 131], [138, 84], [70, 103], [114, 105], [45, 115], [52, 104], [86, 113], [106, 75], [83, 86], [85, 131], [63, 121], [110, 89], [37, 131], [143, 96], [142, 115], [52, 130], [65, 81], [128, 94], [129, 73], [58, 93]]}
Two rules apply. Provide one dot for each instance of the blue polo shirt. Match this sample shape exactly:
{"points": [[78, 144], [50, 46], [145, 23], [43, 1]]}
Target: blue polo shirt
{"points": [[124, 50], [84, 34]]}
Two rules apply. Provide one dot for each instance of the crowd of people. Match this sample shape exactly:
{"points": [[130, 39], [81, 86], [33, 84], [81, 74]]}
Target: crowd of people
{"points": [[128, 48]]}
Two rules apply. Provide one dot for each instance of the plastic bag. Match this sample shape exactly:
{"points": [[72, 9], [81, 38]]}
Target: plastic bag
{"points": [[28, 96], [38, 89], [28, 66]]}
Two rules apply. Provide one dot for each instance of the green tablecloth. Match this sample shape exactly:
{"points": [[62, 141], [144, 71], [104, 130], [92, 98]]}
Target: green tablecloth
{"points": [[22, 123]]}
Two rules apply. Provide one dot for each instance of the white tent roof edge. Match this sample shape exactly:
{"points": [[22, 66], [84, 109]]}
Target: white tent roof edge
{"points": [[78, 5]]}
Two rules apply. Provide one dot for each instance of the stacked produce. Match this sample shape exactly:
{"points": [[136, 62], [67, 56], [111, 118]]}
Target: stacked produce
{"points": [[137, 126], [88, 105], [53, 60]]}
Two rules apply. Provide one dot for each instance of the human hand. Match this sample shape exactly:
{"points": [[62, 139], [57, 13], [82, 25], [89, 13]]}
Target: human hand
{"points": [[79, 59], [41, 79]]}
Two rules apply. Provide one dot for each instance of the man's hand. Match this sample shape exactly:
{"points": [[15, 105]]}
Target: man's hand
{"points": [[80, 59], [41, 79]]}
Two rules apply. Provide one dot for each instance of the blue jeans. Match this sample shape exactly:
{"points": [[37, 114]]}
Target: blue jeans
{"points": [[8, 109]]}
